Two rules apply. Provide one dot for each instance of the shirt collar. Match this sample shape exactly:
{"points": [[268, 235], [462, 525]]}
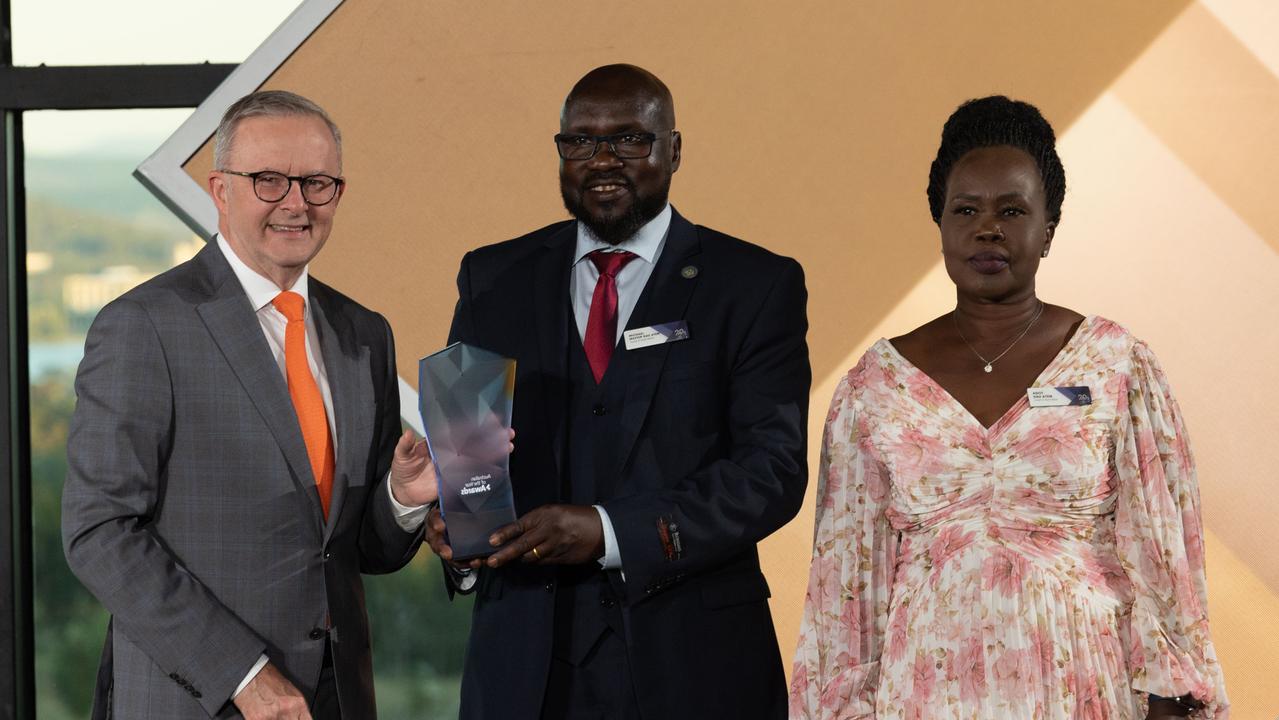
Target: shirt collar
{"points": [[260, 289], [646, 242]]}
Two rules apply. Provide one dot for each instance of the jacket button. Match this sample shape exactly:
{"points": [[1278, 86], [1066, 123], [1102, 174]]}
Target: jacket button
{"points": [[598, 410], [606, 602], [550, 586], [315, 634], [327, 554]]}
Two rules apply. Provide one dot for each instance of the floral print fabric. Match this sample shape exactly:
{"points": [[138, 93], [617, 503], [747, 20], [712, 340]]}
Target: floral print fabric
{"points": [[1047, 567]]}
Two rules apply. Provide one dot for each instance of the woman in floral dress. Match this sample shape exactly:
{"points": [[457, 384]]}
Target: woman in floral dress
{"points": [[1008, 521]]}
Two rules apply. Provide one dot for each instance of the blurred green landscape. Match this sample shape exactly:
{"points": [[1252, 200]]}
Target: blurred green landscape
{"points": [[87, 213]]}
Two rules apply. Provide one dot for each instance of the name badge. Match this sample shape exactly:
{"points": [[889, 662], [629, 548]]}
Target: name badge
{"points": [[656, 334], [1059, 396]]}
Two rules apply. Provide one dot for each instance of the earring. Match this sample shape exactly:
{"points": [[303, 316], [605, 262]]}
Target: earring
{"points": [[1044, 254]]}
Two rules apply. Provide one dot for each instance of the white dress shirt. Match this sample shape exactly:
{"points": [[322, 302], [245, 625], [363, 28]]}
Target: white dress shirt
{"points": [[647, 245], [261, 292]]}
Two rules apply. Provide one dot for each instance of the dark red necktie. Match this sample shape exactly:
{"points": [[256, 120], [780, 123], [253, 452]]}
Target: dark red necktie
{"points": [[601, 326]]}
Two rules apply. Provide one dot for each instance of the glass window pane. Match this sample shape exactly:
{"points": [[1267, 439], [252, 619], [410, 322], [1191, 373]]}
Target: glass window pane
{"points": [[94, 232], [121, 32]]}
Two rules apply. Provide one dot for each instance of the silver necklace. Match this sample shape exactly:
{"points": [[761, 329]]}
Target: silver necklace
{"points": [[990, 364]]}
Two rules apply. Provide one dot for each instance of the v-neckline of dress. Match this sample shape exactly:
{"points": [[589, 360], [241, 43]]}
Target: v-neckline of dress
{"points": [[1013, 411]]}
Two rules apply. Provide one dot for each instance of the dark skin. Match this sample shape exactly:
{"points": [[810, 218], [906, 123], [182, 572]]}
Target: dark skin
{"points": [[995, 230], [1163, 709], [618, 99], [608, 100]]}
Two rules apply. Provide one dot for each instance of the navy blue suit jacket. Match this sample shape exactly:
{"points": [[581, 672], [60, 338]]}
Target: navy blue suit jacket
{"points": [[712, 441]]}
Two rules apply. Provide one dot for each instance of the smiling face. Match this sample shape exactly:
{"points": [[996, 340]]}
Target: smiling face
{"points": [[994, 225], [276, 239], [612, 196]]}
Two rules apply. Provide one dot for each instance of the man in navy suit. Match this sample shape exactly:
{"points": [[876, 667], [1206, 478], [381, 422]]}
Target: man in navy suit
{"points": [[661, 400]]}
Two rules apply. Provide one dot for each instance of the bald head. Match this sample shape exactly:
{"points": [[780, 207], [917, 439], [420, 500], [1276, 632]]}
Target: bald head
{"points": [[629, 84]]}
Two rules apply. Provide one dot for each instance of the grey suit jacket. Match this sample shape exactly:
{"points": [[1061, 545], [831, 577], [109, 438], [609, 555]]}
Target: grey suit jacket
{"points": [[190, 509]]}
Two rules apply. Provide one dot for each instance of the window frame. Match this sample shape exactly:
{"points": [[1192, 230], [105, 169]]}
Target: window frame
{"points": [[105, 87]]}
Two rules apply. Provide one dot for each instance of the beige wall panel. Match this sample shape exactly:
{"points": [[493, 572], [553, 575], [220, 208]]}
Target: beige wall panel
{"points": [[1245, 624], [1254, 22], [1216, 105], [808, 128]]}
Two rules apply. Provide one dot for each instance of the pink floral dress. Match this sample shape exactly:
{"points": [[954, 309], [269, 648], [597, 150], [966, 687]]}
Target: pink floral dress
{"points": [[1049, 567]]}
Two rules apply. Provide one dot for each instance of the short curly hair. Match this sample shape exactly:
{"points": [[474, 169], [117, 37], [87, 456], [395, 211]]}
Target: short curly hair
{"points": [[991, 121]]}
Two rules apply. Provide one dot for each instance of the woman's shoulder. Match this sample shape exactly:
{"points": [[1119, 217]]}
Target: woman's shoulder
{"points": [[871, 371], [916, 343], [1113, 345], [1113, 336]]}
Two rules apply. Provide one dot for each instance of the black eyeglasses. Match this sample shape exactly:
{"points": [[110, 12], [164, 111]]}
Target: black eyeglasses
{"points": [[625, 145], [271, 186]]}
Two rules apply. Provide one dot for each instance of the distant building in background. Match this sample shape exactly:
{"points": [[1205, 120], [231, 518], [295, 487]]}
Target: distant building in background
{"points": [[39, 262], [84, 295], [184, 251]]}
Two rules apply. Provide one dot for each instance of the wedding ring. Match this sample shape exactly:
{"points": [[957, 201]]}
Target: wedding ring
{"points": [[535, 555]]}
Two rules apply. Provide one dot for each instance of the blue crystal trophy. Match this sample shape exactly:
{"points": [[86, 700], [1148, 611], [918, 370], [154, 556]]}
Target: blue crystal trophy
{"points": [[465, 395]]}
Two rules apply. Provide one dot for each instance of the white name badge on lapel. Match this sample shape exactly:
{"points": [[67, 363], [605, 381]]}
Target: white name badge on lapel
{"points": [[1059, 396], [656, 334]]}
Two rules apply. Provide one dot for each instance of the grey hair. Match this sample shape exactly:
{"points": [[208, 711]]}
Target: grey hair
{"points": [[266, 103]]}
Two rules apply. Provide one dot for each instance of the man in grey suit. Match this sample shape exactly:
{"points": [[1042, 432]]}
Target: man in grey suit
{"points": [[236, 459]]}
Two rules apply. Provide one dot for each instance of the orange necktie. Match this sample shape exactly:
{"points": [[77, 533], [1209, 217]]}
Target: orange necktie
{"points": [[307, 400]]}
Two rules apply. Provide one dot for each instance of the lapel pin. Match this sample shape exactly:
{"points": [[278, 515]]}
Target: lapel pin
{"points": [[689, 272]]}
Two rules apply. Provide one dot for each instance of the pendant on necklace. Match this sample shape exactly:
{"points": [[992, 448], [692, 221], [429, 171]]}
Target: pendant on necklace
{"points": [[988, 368]]}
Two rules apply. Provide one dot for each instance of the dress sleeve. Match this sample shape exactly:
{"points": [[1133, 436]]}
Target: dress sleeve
{"points": [[1159, 536], [836, 668]]}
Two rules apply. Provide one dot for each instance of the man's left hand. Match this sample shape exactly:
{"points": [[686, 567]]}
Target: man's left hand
{"points": [[551, 535], [412, 473]]}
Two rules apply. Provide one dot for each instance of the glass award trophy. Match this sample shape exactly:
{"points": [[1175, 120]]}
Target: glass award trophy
{"points": [[465, 396]]}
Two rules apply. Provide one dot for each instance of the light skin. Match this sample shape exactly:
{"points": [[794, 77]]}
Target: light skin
{"points": [[608, 100], [995, 231], [277, 240]]}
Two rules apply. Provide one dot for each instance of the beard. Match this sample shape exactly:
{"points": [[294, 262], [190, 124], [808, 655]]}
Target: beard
{"points": [[615, 228]]}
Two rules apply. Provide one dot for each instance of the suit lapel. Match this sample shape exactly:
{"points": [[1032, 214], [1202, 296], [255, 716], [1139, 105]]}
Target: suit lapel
{"points": [[347, 370], [665, 299], [234, 327], [550, 280]]}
